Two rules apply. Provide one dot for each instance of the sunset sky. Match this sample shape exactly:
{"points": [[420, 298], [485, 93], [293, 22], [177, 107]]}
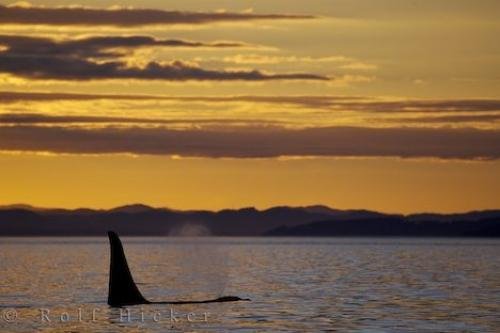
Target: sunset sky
{"points": [[390, 105]]}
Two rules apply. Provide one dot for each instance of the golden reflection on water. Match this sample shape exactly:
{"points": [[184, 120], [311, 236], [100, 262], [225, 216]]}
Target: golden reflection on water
{"points": [[389, 285]]}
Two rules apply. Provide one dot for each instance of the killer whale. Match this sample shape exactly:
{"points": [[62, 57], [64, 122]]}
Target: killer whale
{"points": [[122, 288]]}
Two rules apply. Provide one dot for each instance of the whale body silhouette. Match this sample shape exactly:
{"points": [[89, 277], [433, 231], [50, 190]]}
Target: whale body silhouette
{"points": [[122, 288]]}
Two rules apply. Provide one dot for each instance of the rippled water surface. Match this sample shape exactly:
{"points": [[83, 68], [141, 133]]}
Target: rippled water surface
{"points": [[296, 284]]}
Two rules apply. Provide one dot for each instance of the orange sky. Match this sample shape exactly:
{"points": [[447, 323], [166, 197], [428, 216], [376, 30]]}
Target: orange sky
{"points": [[393, 107]]}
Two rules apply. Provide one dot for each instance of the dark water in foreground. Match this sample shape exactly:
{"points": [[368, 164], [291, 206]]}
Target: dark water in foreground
{"points": [[296, 284]]}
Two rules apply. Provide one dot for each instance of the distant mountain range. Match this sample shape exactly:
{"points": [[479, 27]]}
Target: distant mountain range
{"points": [[142, 220]]}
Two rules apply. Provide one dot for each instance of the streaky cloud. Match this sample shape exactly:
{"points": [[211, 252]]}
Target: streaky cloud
{"points": [[38, 118], [57, 68], [125, 17], [15, 96], [42, 58], [97, 46], [456, 118], [258, 141], [326, 102]]}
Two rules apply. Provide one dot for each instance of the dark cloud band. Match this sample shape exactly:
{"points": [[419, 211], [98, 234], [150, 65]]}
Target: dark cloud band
{"points": [[457, 118], [344, 103], [95, 47], [124, 17], [41, 58], [258, 141], [36, 118], [59, 68]]}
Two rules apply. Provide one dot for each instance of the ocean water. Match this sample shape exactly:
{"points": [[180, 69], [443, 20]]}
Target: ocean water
{"points": [[295, 284]]}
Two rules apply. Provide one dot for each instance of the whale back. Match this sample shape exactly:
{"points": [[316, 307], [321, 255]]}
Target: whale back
{"points": [[122, 288]]}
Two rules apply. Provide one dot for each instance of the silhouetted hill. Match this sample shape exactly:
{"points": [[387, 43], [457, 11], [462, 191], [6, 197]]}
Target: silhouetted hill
{"points": [[135, 208], [137, 219], [394, 226], [469, 216]]}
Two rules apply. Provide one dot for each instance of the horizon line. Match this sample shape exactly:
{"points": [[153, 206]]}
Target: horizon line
{"points": [[26, 206]]}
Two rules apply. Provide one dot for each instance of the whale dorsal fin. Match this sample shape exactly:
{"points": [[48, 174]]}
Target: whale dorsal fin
{"points": [[122, 288]]}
